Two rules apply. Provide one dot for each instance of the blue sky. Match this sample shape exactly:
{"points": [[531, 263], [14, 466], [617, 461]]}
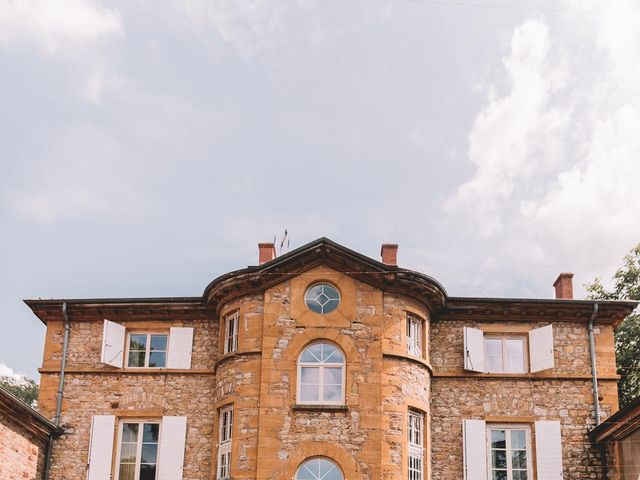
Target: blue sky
{"points": [[146, 147]]}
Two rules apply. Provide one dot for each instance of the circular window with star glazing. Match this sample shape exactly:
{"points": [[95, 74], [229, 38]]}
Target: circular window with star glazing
{"points": [[322, 298]]}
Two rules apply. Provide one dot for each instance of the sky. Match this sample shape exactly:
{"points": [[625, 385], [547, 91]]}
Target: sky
{"points": [[146, 147]]}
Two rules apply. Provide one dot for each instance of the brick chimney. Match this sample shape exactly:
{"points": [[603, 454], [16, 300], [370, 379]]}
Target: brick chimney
{"points": [[564, 286], [389, 253], [267, 252]]}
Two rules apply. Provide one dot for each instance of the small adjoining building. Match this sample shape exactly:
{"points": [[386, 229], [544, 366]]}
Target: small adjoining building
{"points": [[24, 437], [323, 363]]}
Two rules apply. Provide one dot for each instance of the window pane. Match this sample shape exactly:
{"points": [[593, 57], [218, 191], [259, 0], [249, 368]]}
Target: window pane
{"points": [[518, 439], [309, 393], [498, 439], [130, 432], [333, 393], [312, 354], [147, 472], [500, 475], [138, 342], [310, 375], [149, 453], [514, 355], [494, 364], [128, 453], [333, 376], [331, 354], [150, 432], [127, 471], [158, 359], [499, 458], [158, 342], [136, 359], [521, 475], [519, 459], [493, 346]]}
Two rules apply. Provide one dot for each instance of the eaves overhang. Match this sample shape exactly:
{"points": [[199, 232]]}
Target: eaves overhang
{"points": [[534, 309], [619, 425], [324, 252], [29, 418]]}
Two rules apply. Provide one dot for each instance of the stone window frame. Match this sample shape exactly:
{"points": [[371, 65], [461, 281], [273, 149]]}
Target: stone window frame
{"points": [[415, 451], [300, 364], [415, 344], [528, 447], [231, 336], [224, 447], [318, 457], [507, 336], [148, 333], [120, 428]]}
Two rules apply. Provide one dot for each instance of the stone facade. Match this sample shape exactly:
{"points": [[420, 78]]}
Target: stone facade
{"points": [[366, 434]]}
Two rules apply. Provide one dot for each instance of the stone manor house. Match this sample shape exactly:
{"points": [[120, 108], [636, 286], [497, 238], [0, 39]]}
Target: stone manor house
{"points": [[324, 364]]}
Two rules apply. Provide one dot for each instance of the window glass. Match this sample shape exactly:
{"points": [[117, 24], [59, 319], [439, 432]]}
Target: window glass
{"points": [[319, 469], [322, 298], [321, 374], [147, 350], [509, 456], [138, 451], [224, 446], [416, 450], [504, 354], [231, 332]]}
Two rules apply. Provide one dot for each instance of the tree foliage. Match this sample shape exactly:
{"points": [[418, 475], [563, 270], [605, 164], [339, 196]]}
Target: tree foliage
{"points": [[23, 388], [627, 336]]}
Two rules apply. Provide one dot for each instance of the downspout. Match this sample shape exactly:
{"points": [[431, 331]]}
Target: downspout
{"points": [[56, 419], [594, 372]]}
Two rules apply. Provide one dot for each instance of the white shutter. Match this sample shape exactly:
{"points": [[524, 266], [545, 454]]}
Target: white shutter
{"points": [[112, 344], [541, 348], [474, 449], [473, 349], [101, 447], [549, 450], [180, 346], [171, 449]]}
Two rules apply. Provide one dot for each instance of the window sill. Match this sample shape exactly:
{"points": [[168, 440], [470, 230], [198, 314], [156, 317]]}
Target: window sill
{"points": [[320, 408]]}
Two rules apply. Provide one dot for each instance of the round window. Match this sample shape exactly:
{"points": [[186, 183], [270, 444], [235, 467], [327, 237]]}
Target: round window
{"points": [[322, 298]]}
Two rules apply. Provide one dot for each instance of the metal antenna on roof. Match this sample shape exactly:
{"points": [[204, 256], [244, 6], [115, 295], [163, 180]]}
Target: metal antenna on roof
{"points": [[284, 243]]}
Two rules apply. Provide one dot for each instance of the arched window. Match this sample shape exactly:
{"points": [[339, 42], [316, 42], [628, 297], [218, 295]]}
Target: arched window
{"points": [[319, 469], [321, 374]]}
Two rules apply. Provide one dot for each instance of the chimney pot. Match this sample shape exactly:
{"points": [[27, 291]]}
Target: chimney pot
{"points": [[564, 286], [267, 252], [389, 253]]}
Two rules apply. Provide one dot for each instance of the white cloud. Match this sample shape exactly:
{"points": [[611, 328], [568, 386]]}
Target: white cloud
{"points": [[52, 25], [74, 30], [6, 371], [556, 155]]}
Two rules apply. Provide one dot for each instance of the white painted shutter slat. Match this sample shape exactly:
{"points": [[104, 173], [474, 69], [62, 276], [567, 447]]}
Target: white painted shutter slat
{"points": [[473, 349], [474, 449], [113, 335], [171, 449], [180, 347], [541, 348], [549, 450], [101, 447]]}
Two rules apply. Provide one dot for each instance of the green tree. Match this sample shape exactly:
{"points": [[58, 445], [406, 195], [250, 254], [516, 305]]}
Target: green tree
{"points": [[24, 388], [627, 336]]}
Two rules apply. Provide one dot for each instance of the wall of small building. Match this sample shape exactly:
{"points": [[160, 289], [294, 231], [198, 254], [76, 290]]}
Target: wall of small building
{"points": [[630, 456], [563, 394], [21, 452]]}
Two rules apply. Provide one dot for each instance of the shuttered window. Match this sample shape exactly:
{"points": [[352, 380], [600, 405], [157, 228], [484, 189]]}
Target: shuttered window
{"points": [[225, 433], [505, 354], [414, 335], [509, 452], [231, 322], [416, 445], [147, 350]]}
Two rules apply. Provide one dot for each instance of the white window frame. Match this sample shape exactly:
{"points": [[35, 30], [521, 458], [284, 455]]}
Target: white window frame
{"points": [[415, 334], [147, 348], [508, 428], [415, 432], [231, 328], [225, 438], [140, 422], [322, 367], [504, 338]]}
